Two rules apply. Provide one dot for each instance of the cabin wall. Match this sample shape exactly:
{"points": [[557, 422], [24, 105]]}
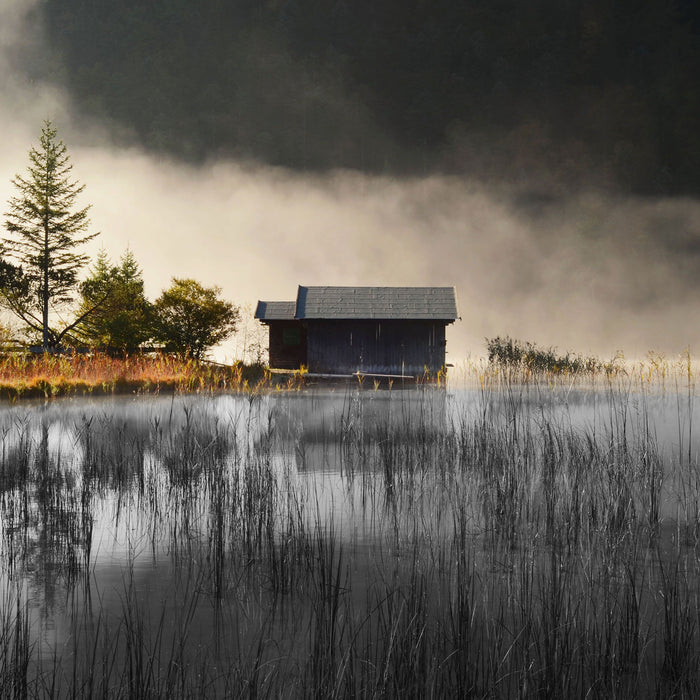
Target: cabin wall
{"points": [[382, 347], [287, 344]]}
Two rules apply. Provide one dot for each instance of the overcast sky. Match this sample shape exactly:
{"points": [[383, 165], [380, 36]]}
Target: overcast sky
{"points": [[588, 270]]}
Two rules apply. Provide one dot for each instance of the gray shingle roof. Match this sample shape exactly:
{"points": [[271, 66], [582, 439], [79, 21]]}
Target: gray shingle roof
{"points": [[438, 303], [275, 310], [406, 303]]}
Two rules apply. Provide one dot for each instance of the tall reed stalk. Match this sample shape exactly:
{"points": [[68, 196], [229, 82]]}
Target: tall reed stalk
{"points": [[489, 543]]}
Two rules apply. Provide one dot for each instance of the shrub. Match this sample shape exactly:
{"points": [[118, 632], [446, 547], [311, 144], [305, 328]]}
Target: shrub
{"points": [[516, 354]]}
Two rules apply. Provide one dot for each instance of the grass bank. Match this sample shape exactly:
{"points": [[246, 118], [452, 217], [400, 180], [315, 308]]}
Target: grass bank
{"points": [[50, 376]]}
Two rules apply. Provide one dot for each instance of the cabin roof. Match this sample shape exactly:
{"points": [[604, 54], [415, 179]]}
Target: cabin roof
{"points": [[275, 310], [377, 302], [403, 303]]}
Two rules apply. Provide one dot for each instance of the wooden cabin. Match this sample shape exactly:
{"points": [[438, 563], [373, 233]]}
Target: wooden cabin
{"points": [[371, 330]]}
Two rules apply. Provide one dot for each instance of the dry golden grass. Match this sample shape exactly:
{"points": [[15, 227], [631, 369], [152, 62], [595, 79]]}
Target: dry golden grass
{"points": [[49, 376], [652, 372]]}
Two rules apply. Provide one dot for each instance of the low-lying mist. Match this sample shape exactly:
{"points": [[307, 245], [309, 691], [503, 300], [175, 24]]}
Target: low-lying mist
{"points": [[591, 271]]}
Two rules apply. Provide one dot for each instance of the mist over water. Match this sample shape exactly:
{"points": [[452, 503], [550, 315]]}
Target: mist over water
{"points": [[198, 525], [588, 270]]}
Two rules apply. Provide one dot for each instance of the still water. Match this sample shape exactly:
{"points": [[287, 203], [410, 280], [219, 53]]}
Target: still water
{"points": [[184, 525]]}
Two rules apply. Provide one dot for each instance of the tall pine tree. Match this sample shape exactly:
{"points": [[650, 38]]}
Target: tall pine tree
{"points": [[45, 232]]}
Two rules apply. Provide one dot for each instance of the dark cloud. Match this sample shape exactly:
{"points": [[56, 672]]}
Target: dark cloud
{"points": [[573, 95], [537, 246]]}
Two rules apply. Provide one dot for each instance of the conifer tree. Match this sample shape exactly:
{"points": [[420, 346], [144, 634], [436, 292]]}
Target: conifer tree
{"points": [[45, 232], [121, 314]]}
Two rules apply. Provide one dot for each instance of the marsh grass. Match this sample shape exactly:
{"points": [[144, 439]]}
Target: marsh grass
{"points": [[48, 376], [514, 354], [368, 545]]}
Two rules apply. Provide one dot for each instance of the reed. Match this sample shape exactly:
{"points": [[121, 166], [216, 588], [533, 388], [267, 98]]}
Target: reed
{"points": [[483, 543], [48, 376]]}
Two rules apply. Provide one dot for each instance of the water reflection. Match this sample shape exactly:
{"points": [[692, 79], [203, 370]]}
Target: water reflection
{"points": [[167, 518]]}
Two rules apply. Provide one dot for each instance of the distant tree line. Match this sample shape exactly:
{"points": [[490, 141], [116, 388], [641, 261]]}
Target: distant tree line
{"points": [[577, 88], [108, 310]]}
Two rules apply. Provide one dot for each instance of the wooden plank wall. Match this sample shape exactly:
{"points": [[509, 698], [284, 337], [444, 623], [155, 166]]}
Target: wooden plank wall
{"points": [[282, 354], [384, 347]]}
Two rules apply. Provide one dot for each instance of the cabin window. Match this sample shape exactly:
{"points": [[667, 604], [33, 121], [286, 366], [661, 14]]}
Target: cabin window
{"points": [[291, 336]]}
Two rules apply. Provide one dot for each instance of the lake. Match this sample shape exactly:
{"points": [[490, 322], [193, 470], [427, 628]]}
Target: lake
{"points": [[507, 539]]}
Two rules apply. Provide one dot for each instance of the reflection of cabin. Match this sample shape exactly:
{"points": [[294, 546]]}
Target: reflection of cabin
{"points": [[342, 330]]}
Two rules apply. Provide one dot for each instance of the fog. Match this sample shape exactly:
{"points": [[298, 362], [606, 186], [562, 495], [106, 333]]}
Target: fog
{"points": [[590, 271]]}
